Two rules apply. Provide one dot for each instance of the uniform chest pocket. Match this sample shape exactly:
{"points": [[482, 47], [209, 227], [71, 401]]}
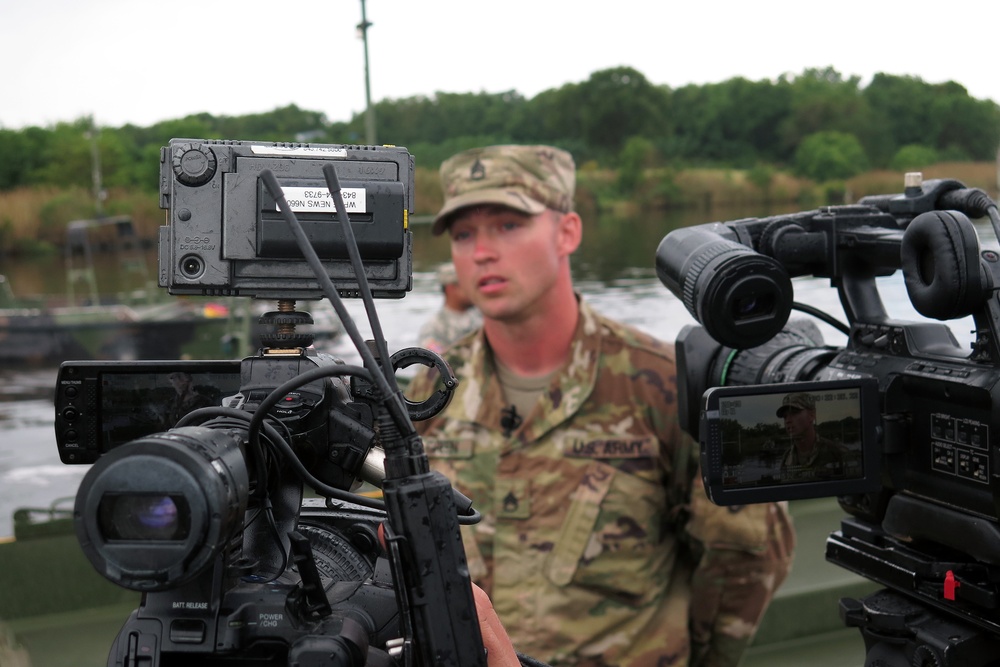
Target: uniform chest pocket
{"points": [[612, 538]]}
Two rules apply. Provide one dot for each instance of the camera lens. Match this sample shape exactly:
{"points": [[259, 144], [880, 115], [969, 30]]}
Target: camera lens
{"points": [[144, 517], [156, 512], [741, 297], [752, 306]]}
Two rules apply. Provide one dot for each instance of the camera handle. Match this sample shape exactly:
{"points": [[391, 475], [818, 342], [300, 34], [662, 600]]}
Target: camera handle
{"points": [[427, 558]]}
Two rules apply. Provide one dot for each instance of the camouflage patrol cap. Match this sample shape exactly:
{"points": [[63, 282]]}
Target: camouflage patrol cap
{"points": [[528, 179], [796, 402]]}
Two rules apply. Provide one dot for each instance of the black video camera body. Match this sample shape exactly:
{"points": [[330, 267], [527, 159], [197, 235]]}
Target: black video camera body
{"points": [[202, 524], [936, 403], [205, 515], [920, 414]]}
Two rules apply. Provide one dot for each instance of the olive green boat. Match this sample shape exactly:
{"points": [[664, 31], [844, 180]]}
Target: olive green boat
{"points": [[168, 330], [56, 611], [135, 320]]}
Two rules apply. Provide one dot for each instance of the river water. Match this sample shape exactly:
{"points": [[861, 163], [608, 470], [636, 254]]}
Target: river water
{"points": [[613, 271]]}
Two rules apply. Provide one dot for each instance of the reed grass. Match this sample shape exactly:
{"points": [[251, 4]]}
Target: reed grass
{"points": [[33, 219], [709, 188], [982, 175]]}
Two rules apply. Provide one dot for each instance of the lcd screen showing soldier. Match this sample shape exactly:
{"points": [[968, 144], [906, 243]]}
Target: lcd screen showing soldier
{"points": [[788, 441], [791, 437]]}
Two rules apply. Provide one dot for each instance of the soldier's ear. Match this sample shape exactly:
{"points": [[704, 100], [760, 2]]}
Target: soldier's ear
{"points": [[570, 232]]}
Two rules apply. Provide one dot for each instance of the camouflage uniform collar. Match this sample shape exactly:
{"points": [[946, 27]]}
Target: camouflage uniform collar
{"points": [[565, 395]]}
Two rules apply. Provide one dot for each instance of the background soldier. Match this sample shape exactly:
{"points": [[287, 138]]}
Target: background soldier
{"points": [[456, 317]]}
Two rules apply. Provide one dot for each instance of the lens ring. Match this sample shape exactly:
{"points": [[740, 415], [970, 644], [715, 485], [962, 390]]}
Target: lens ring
{"points": [[155, 513]]}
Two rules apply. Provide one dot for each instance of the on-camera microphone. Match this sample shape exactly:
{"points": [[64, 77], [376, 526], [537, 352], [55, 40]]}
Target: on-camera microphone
{"points": [[509, 420]]}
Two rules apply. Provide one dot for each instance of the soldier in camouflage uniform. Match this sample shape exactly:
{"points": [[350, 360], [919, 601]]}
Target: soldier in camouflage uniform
{"points": [[810, 455], [456, 317], [598, 545]]}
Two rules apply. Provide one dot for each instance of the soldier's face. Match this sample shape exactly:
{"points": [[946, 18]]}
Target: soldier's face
{"points": [[508, 262], [798, 422]]}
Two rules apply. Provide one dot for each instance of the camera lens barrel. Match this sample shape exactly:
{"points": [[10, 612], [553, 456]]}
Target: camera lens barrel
{"points": [[741, 297], [794, 354], [153, 514]]}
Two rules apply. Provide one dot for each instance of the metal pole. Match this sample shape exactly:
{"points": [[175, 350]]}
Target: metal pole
{"points": [[95, 168], [369, 109]]}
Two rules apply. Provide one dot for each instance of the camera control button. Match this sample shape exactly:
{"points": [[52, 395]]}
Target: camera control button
{"points": [[291, 401], [70, 414], [187, 631], [193, 164]]}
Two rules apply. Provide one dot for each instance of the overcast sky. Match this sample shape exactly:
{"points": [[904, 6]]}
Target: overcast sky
{"points": [[142, 61]]}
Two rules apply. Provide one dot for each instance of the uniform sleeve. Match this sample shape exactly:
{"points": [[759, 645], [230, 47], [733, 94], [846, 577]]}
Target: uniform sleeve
{"points": [[742, 554], [429, 335], [739, 556]]}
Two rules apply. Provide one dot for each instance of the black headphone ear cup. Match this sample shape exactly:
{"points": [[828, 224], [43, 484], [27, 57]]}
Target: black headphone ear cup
{"points": [[940, 261]]}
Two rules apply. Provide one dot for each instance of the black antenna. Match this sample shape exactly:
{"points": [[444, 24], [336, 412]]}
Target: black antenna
{"points": [[390, 392], [333, 183]]}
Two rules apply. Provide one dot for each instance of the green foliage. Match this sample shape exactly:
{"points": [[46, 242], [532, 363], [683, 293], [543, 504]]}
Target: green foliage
{"points": [[614, 118], [65, 156], [939, 116], [825, 156], [762, 176], [970, 125], [823, 101], [901, 105], [431, 155], [834, 193], [913, 157], [71, 204], [434, 120], [21, 156], [636, 158], [616, 104], [26, 247], [735, 122]]}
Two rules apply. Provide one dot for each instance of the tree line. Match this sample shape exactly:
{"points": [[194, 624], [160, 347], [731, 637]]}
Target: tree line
{"points": [[818, 124]]}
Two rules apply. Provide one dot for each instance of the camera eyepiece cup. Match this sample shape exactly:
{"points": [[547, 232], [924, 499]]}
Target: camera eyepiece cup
{"points": [[939, 256], [741, 297], [153, 514]]}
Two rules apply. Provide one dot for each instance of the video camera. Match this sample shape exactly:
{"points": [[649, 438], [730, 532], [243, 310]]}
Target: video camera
{"points": [[901, 424], [205, 515]]}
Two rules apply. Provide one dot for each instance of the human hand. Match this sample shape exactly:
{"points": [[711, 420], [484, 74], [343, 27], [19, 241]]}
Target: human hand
{"points": [[499, 649]]}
